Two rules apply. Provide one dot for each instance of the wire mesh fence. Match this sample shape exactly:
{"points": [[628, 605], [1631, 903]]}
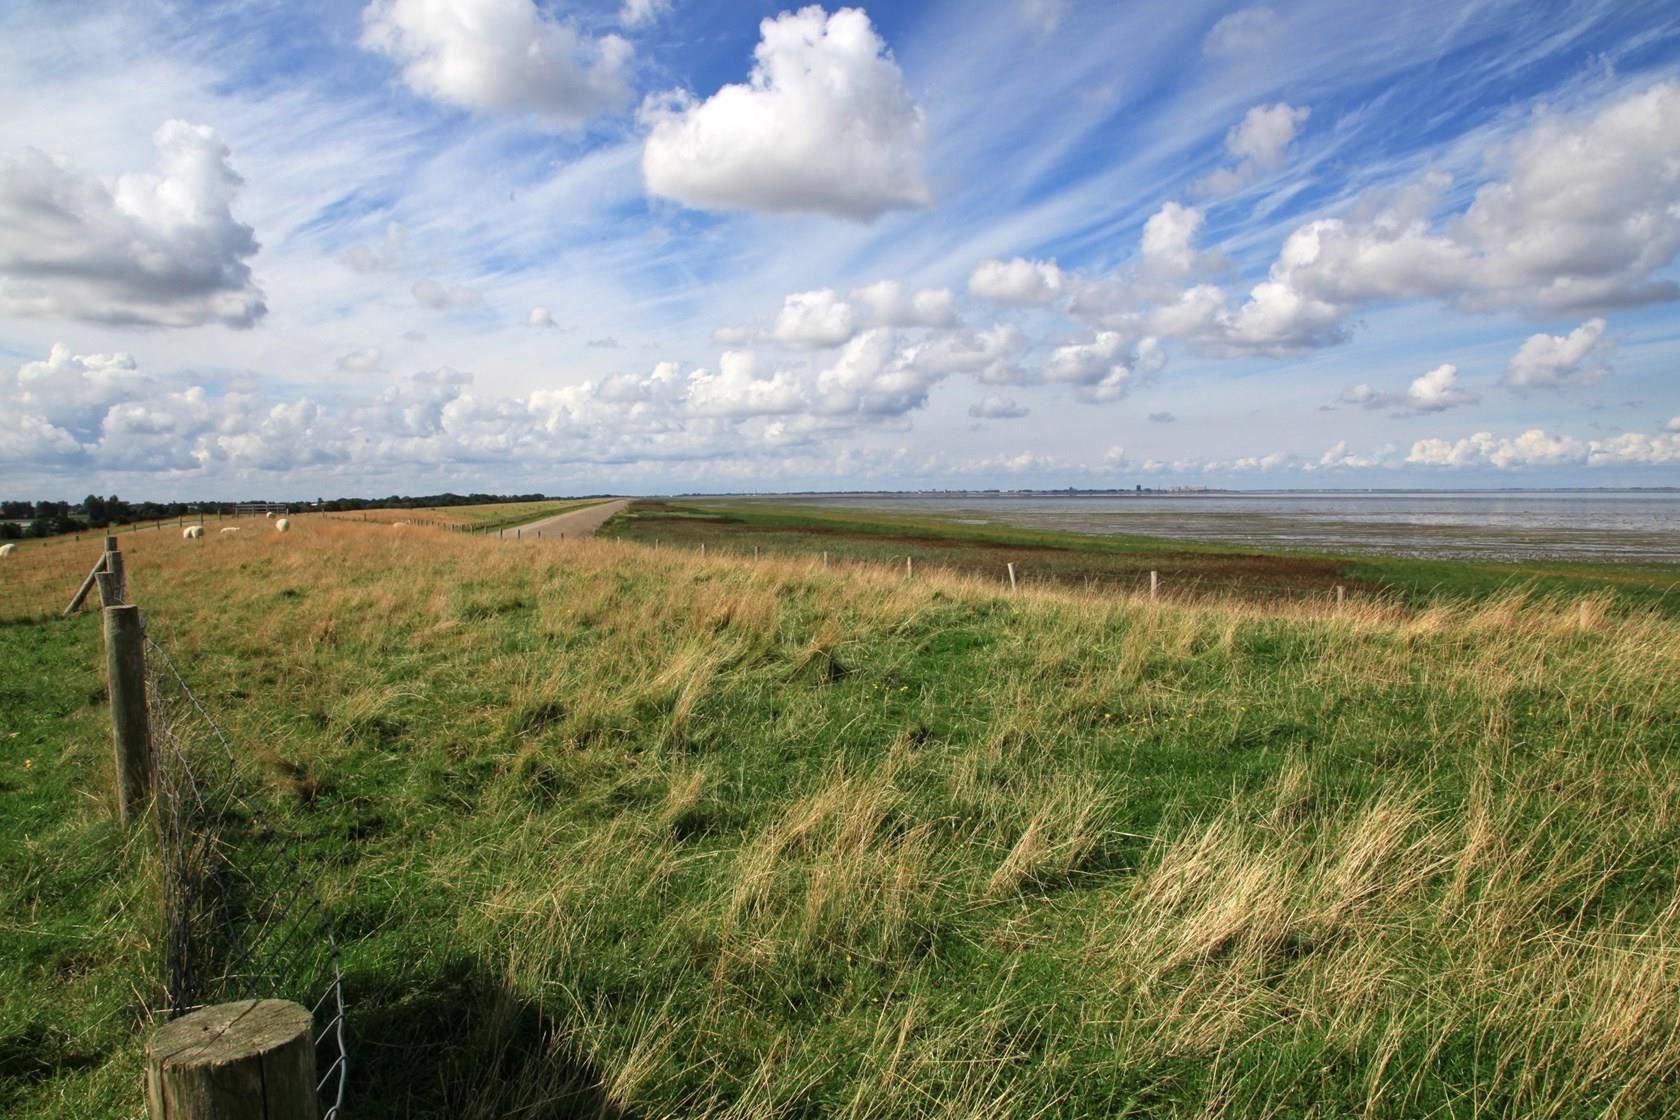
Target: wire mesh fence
{"points": [[241, 918]]}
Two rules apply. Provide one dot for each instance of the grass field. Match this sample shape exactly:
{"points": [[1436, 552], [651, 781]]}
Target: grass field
{"points": [[610, 831], [1189, 569], [485, 518]]}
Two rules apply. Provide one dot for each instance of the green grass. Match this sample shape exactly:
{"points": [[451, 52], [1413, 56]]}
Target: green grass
{"points": [[610, 831], [1117, 562]]}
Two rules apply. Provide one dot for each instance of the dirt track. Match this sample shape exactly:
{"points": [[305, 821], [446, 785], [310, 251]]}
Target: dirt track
{"points": [[575, 523]]}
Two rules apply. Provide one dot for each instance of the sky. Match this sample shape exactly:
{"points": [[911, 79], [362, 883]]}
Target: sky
{"points": [[300, 248]]}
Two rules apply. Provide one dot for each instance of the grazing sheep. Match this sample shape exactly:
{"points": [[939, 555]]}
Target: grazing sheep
{"points": [[231, 529], [282, 525], [192, 532], [7, 549]]}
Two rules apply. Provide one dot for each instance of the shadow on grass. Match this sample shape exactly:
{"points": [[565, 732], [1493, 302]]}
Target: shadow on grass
{"points": [[457, 1042]]}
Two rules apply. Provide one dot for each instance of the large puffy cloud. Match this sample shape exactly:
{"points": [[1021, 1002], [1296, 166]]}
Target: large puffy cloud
{"points": [[153, 250], [1550, 361], [1636, 449], [891, 304], [1534, 447], [1257, 145], [1102, 369], [1167, 248], [74, 391], [737, 390], [814, 320], [1582, 212], [504, 56], [1018, 282], [1435, 391], [1584, 215], [990, 355], [823, 125], [873, 377]]}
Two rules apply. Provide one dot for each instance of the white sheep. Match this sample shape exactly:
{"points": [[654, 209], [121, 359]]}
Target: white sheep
{"points": [[231, 529], [192, 532], [7, 549], [282, 525]]}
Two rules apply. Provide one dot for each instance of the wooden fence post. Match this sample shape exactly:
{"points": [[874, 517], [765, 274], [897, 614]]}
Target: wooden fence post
{"points": [[1154, 584], [119, 576], [251, 1060], [909, 566], [125, 683], [825, 558], [1011, 567], [1341, 595], [87, 585], [702, 550]]}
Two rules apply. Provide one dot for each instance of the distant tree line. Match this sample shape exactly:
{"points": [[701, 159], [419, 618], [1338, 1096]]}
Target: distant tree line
{"points": [[422, 501], [46, 519]]}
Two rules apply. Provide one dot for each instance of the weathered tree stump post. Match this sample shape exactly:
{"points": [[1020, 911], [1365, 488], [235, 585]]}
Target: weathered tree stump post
{"points": [[1011, 567], [125, 683], [1154, 585], [251, 1060]]}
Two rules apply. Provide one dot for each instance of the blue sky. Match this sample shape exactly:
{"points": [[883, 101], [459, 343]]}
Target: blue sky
{"points": [[663, 245]]}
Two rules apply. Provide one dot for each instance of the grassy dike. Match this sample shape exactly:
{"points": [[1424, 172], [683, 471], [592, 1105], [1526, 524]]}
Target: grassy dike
{"points": [[609, 831]]}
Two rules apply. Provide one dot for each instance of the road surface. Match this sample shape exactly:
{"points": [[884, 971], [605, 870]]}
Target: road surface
{"points": [[574, 523]]}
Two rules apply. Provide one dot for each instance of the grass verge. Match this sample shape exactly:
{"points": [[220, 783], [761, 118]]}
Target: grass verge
{"points": [[615, 832]]}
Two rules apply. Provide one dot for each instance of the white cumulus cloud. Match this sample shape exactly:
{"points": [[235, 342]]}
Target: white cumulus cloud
{"points": [[737, 390], [823, 125], [814, 321], [1535, 447], [1257, 145], [891, 304], [1102, 368], [1018, 282], [1435, 391], [158, 250], [1551, 361], [503, 56]]}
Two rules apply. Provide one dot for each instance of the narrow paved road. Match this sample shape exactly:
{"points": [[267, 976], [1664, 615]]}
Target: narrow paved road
{"points": [[574, 523]]}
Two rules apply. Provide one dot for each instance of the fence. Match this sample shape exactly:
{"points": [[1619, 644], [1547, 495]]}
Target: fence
{"points": [[240, 918]]}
